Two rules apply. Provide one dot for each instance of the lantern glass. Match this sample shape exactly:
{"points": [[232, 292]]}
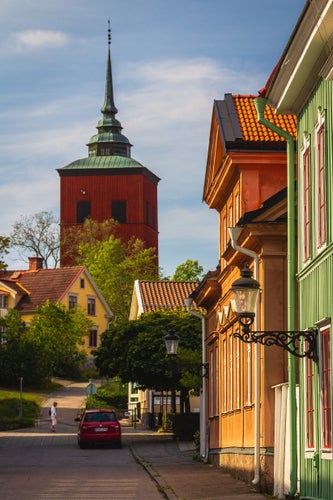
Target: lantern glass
{"points": [[246, 300], [171, 343]]}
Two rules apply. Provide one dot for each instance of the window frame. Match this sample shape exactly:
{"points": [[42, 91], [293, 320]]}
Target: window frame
{"points": [[320, 182], [306, 199], [309, 408], [72, 304], [93, 332], [325, 381], [91, 306]]}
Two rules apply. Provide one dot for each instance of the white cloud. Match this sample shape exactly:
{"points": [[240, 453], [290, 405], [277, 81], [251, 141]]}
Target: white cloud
{"points": [[36, 39]]}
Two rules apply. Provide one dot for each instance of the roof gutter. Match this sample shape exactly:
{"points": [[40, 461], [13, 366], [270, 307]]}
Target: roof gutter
{"points": [[234, 233], [260, 104]]}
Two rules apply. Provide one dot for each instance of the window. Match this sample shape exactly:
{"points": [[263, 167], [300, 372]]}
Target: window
{"points": [[306, 200], [154, 218], [320, 183], [325, 388], [225, 385], [93, 338], [91, 306], [82, 283], [119, 211], [82, 211], [309, 405], [3, 301], [72, 301], [236, 208]]}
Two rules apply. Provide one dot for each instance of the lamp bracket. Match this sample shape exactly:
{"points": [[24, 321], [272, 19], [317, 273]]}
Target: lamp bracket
{"points": [[288, 340]]}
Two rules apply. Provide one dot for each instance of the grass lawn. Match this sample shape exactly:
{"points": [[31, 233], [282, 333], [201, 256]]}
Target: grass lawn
{"points": [[19, 413]]}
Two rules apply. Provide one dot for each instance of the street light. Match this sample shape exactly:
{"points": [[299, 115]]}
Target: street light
{"points": [[171, 342], [246, 292]]}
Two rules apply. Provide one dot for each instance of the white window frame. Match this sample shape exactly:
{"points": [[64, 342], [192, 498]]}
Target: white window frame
{"points": [[326, 453], [309, 452], [320, 184], [305, 200], [72, 298]]}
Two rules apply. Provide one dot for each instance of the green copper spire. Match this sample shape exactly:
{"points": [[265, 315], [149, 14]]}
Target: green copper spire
{"points": [[109, 141], [108, 106]]}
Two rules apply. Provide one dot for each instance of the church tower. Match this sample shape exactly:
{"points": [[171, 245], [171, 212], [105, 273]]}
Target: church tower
{"points": [[109, 183]]}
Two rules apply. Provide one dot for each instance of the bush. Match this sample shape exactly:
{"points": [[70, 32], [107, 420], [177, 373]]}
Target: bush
{"points": [[185, 425], [10, 405]]}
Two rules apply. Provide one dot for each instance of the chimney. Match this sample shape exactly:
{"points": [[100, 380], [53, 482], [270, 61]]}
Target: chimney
{"points": [[35, 263]]}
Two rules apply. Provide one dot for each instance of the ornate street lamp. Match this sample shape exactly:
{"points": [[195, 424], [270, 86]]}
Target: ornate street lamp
{"points": [[171, 342], [246, 292]]}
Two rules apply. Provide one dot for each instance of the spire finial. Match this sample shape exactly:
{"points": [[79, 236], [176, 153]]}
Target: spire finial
{"points": [[109, 33]]}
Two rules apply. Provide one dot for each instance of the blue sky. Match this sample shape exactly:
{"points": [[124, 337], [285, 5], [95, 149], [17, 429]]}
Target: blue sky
{"points": [[170, 60]]}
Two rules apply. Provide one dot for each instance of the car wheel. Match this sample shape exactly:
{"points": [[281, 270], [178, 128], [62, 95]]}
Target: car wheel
{"points": [[118, 444], [82, 445]]}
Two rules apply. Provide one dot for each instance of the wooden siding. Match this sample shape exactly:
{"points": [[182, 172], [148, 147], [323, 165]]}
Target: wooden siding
{"points": [[316, 293], [101, 190]]}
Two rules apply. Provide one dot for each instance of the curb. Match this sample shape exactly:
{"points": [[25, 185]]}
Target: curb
{"points": [[163, 487]]}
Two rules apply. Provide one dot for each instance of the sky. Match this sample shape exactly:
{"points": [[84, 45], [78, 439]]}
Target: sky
{"points": [[170, 61]]}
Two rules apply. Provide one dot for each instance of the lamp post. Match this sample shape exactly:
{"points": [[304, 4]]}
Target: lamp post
{"points": [[171, 342], [246, 292]]}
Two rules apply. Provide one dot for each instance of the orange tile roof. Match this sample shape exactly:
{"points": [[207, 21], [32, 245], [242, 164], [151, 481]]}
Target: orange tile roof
{"points": [[254, 131], [157, 295], [43, 285]]}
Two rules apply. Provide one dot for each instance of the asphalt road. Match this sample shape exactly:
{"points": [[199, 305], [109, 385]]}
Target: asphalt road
{"points": [[51, 466], [37, 464]]}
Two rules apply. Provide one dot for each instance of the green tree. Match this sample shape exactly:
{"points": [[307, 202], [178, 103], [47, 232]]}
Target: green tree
{"points": [[19, 357], [135, 351], [4, 249], [190, 270], [89, 233], [59, 335], [115, 266], [38, 235]]}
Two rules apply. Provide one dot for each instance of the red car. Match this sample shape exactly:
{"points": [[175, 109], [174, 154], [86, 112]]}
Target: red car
{"points": [[99, 427]]}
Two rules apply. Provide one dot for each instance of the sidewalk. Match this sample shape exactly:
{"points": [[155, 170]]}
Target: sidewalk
{"points": [[171, 466], [169, 463]]}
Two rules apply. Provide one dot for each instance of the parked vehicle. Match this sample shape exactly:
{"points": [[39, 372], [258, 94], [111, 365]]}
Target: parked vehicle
{"points": [[99, 427]]}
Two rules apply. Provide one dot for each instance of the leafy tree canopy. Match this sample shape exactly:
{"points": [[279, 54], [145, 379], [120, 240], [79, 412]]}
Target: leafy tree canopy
{"points": [[58, 334], [4, 248], [37, 235], [115, 266], [89, 233], [190, 270], [135, 350]]}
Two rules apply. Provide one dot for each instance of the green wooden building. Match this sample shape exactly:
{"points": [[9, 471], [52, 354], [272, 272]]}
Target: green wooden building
{"points": [[302, 84]]}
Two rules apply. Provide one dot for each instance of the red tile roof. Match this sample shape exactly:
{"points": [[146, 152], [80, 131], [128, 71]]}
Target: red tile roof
{"points": [[42, 285], [254, 131], [157, 295]]}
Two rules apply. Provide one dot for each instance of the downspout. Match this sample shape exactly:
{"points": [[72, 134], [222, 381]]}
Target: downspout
{"points": [[203, 399], [260, 104], [234, 234]]}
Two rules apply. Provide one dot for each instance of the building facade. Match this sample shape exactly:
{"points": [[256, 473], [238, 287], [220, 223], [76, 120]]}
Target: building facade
{"points": [[305, 88], [245, 183], [26, 290]]}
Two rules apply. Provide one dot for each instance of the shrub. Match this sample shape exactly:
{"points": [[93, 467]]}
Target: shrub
{"points": [[185, 425]]}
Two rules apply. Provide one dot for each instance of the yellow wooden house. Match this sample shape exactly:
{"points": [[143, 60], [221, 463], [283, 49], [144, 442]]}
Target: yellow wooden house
{"points": [[26, 290]]}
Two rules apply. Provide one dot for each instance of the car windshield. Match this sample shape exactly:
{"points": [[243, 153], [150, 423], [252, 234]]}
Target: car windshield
{"points": [[100, 417]]}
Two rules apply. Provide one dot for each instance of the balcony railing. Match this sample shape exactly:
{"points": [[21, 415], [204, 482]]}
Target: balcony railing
{"points": [[4, 311]]}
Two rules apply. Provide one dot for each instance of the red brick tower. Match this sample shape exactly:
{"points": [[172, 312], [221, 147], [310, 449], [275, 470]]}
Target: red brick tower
{"points": [[109, 183]]}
